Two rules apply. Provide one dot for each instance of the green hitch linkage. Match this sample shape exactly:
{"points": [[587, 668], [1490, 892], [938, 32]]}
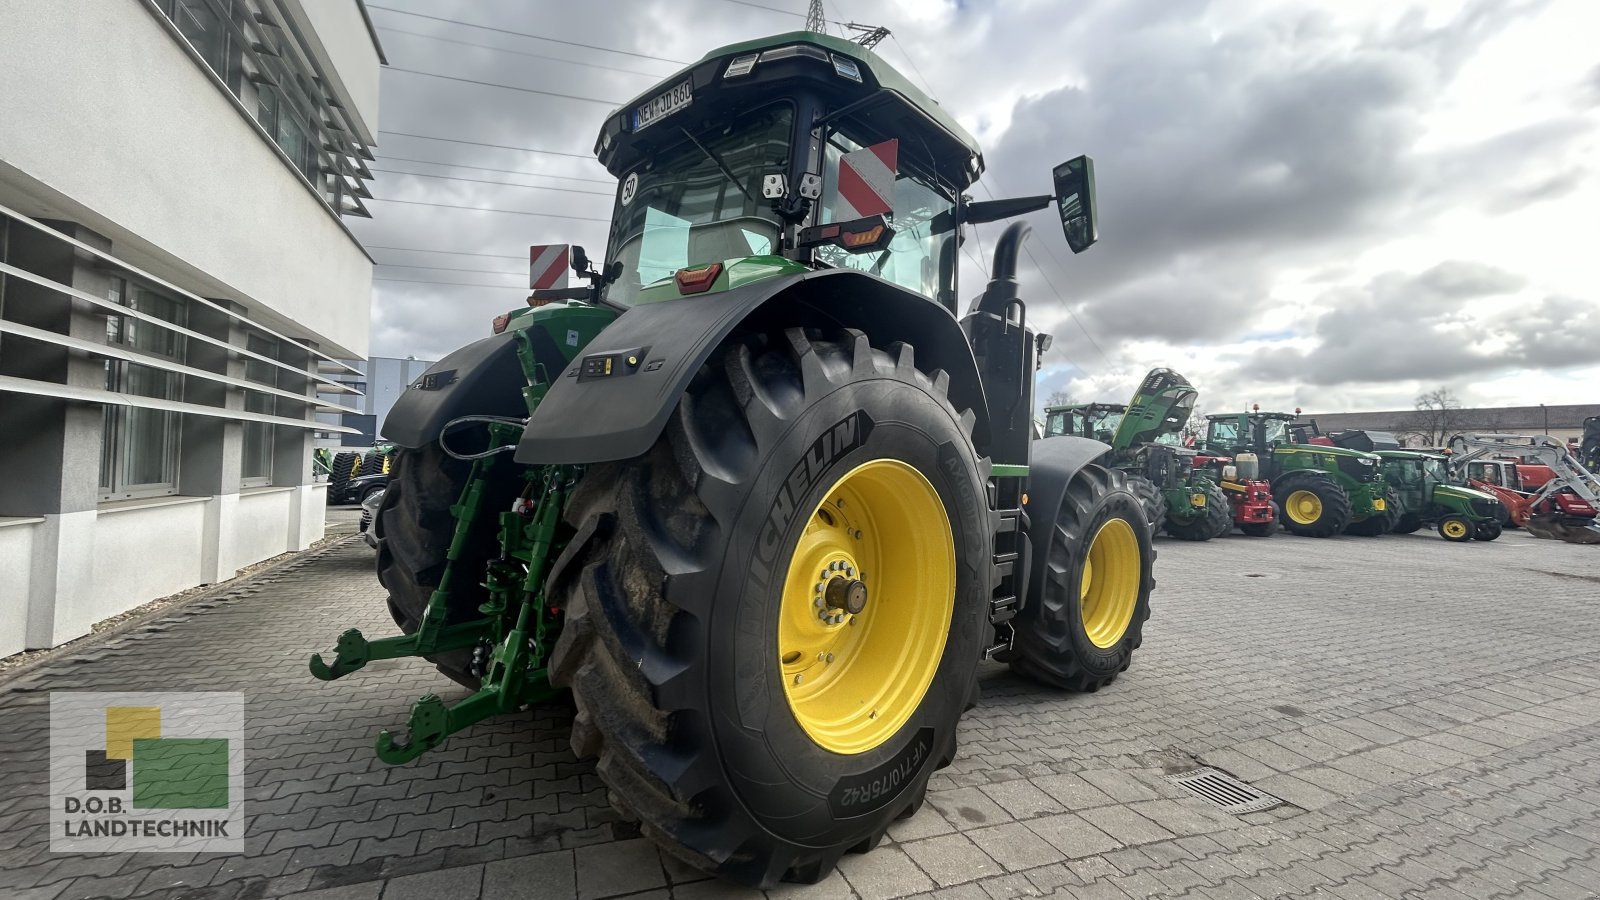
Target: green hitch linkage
{"points": [[509, 684], [354, 650]]}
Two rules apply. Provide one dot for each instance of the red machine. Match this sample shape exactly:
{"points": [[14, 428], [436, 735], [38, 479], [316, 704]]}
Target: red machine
{"points": [[1562, 506], [1249, 497]]}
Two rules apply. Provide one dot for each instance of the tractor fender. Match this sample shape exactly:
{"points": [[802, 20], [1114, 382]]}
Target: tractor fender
{"points": [[482, 378], [614, 400], [1054, 462]]}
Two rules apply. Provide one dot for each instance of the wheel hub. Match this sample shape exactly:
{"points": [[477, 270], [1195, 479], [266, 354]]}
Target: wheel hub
{"points": [[866, 606]]}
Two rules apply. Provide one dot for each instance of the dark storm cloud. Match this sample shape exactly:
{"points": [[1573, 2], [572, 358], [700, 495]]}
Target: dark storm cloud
{"points": [[1225, 150], [1412, 327], [1221, 160]]}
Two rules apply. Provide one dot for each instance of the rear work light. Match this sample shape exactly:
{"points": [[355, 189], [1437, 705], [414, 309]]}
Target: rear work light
{"points": [[740, 65], [501, 321], [862, 235], [697, 280]]}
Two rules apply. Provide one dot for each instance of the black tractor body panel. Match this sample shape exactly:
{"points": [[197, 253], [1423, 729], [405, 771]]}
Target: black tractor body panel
{"points": [[615, 399], [483, 378], [1055, 461]]}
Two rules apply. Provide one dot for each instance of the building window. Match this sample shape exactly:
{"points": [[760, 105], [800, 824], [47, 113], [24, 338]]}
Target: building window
{"points": [[256, 466], [261, 67], [139, 447]]}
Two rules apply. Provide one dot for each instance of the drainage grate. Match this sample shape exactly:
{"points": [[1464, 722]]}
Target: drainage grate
{"points": [[1223, 791]]}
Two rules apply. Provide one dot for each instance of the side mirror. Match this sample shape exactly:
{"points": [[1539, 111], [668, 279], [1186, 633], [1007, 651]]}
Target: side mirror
{"points": [[1075, 199]]}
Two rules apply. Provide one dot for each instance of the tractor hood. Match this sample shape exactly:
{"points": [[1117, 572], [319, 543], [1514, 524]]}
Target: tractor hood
{"points": [[1325, 450], [1465, 493]]}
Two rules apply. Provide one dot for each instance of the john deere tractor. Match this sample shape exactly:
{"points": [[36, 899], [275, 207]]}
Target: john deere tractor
{"points": [[1321, 489], [754, 493], [1176, 497], [1427, 498]]}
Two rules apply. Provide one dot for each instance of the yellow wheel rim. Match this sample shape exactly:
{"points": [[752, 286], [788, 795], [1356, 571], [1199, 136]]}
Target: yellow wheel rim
{"points": [[1455, 529], [1109, 588], [1304, 507], [880, 539]]}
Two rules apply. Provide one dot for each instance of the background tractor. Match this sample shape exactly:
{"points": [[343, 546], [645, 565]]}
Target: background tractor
{"points": [[1177, 498], [755, 493], [355, 477], [1562, 507], [1320, 490], [1421, 483]]}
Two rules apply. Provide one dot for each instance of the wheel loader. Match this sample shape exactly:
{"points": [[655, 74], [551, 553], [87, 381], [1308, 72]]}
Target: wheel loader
{"points": [[1186, 503], [758, 492], [1321, 489]]}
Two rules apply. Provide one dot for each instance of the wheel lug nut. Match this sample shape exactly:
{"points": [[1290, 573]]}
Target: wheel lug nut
{"points": [[829, 658], [799, 678]]}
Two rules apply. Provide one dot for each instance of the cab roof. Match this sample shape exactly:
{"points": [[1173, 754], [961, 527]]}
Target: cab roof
{"points": [[877, 76]]}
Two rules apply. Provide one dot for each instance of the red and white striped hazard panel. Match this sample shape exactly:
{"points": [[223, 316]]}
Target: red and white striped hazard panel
{"points": [[866, 181], [547, 266]]}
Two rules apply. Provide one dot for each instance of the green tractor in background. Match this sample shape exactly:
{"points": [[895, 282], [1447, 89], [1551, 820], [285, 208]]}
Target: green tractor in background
{"points": [[1419, 486], [1421, 481], [755, 494], [1321, 489], [1176, 497]]}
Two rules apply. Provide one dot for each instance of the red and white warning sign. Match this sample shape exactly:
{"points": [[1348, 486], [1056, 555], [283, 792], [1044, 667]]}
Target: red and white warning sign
{"points": [[866, 181], [547, 266]]}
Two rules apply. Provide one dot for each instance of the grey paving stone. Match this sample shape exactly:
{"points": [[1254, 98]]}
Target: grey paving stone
{"points": [[1015, 847], [884, 873], [952, 859], [1126, 825], [458, 882], [531, 877], [1072, 835], [605, 870], [1072, 791]]}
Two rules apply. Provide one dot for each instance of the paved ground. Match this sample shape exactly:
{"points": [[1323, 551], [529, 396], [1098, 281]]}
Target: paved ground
{"points": [[1430, 710]]}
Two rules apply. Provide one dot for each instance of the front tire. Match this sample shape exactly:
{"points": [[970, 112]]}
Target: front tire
{"points": [[1456, 529], [1407, 524], [1487, 531], [1151, 500], [1081, 628], [1313, 504], [696, 564]]}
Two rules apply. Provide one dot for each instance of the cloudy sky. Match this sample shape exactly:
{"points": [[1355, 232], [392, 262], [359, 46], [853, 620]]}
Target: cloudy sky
{"points": [[1335, 208]]}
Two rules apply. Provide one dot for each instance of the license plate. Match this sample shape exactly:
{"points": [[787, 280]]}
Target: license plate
{"points": [[664, 105]]}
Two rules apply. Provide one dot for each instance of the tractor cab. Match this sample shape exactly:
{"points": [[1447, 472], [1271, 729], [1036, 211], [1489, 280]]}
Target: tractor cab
{"points": [[775, 156], [1258, 432], [1096, 421]]}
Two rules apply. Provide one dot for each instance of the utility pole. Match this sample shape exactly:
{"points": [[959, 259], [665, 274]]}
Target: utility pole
{"points": [[1546, 411], [816, 20]]}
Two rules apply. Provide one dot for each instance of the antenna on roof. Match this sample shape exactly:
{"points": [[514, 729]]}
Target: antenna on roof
{"points": [[867, 35], [816, 21]]}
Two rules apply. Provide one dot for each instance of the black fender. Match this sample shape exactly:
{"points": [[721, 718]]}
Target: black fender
{"points": [[483, 378], [1051, 467], [614, 409]]}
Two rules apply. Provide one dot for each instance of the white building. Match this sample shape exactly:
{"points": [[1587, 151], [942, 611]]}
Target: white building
{"points": [[177, 283], [380, 381]]}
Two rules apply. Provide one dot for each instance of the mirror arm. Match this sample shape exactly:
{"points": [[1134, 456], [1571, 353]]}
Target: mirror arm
{"points": [[995, 210]]}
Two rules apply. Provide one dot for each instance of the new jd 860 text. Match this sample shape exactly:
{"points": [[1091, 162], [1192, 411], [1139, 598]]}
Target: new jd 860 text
{"points": [[756, 495]]}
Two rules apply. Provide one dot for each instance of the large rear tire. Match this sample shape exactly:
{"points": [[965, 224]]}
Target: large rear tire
{"points": [[1151, 500], [1092, 607], [1313, 504], [748, 732], [344, 468], [1215, 521], [413, 530]]}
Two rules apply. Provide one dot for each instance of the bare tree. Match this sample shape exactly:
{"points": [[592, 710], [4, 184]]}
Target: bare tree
{"points": [[1059, 398], [1437, 417], [1194, 430]]}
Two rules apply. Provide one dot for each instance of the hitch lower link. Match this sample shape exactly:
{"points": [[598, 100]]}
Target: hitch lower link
{"points": [[512, 670]]}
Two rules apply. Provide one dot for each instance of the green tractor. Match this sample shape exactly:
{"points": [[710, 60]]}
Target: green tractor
{"points": [[1420, 487], [755, 493], [1421, 481], [1321, 489], [1177, 498]]}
